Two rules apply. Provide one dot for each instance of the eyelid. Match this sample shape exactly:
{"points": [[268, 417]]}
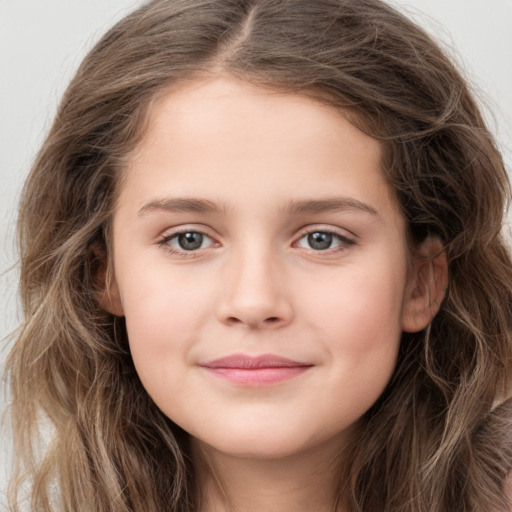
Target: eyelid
{"points": [[186, 228], [327, 228], [169, 234], [346, 237]]}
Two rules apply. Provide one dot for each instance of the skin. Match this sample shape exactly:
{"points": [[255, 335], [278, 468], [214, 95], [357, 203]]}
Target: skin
{"points": [[264, 171]]}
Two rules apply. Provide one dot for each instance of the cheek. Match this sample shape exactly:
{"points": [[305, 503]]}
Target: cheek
{"points": [[164, 318], [358, 325], [366, 306]]}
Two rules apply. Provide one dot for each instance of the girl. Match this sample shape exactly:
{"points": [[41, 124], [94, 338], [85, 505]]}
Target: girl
{"points": [[262, 269]]}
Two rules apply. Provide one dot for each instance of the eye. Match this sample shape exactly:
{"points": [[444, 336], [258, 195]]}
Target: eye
{"points": [[187, 241], [323, 241]]}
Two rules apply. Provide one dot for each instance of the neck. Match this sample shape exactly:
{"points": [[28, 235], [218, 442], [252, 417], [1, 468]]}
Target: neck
{"points": [[295, 483]]}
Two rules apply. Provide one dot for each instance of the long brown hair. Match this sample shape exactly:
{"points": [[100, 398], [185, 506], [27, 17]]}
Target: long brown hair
{"points": [[439, 438]]}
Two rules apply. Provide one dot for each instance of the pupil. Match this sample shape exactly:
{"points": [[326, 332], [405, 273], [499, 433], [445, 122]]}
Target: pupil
{"points": [[190, 241], [320, 241]]}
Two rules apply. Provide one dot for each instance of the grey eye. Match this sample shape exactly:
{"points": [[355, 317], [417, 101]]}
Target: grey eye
{"points": [[320, 241], [189, 241], [323, 241]]}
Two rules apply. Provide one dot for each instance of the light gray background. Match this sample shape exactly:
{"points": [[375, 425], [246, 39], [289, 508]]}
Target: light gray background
{"points": [[43, 41]]}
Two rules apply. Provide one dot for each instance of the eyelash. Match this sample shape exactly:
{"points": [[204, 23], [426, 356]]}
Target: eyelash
{"points": [[165, 242], [343, 241]]}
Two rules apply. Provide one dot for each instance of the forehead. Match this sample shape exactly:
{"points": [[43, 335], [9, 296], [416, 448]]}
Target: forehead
{"points": [[195, 103], [222, 137]]}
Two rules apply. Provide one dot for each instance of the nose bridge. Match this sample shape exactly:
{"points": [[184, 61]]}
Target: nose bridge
{"points": [[255, 295]]}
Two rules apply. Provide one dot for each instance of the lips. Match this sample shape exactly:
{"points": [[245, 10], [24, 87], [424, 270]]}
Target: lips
{"points": [[255, 371]]}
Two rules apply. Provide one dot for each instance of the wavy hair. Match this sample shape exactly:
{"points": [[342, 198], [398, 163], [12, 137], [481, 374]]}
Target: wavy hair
{"points": [[439, 438]]}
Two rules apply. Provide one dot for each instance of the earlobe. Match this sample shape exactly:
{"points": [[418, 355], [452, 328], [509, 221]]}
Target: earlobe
{"points": [[107, 291], [110, 299], [426, 285]]}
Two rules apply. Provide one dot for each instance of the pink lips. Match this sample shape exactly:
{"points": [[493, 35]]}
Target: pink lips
{"points": [[255, 371]]}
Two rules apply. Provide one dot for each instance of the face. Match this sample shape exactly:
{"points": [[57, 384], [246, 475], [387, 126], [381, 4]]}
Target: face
{"points": [[261, 264]]}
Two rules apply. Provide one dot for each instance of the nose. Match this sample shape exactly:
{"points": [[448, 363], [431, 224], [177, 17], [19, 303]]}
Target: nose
{"points": [[254, 293]]}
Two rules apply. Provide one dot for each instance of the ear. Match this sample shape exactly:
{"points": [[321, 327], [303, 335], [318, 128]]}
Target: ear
{"points": [[107, 291], [426, 285], [109, 298]]}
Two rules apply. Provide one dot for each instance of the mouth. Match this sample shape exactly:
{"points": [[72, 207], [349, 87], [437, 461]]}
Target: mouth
{"points": [[251, 371]]}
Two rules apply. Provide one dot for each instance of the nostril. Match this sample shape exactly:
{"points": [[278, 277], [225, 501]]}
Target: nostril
{"points": [[233, 320]]}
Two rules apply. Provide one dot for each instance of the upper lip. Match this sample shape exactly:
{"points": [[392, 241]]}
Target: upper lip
{"points": [[247, 362]]}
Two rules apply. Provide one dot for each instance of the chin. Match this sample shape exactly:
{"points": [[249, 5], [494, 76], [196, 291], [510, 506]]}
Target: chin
{"points": [[266, 444], [261, 449]]}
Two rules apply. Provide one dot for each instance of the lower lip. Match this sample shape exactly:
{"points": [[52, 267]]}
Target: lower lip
{"points": [[258, 376]]}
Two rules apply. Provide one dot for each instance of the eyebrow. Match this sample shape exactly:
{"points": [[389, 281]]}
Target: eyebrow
{"points": [[329, 205], [180, 205], [187, 205]]}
